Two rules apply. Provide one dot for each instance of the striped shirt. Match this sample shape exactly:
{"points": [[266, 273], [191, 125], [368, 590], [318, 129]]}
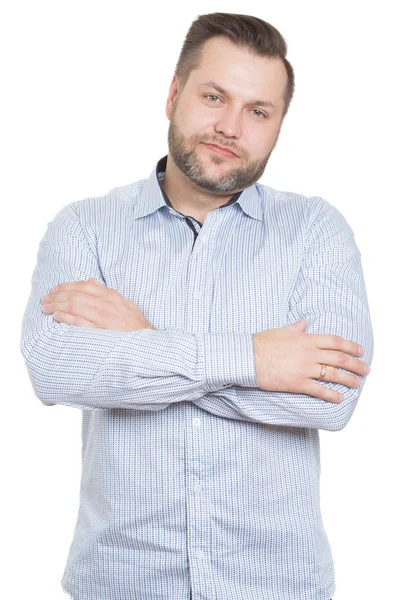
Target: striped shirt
{"points": [[195, 482]]}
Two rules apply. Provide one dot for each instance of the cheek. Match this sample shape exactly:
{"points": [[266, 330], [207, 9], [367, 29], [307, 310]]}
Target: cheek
{"points": [[195, 122], [260, 140]]}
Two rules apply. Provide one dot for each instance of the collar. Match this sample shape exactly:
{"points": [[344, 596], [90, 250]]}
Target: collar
{"points": [[153, 197]]}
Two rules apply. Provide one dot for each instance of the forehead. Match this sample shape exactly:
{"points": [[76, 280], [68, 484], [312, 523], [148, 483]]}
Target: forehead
{"points": [[240, 71]]}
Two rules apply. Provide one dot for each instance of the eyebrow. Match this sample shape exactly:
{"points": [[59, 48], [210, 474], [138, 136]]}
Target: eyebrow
{"points": [[221, 90]]}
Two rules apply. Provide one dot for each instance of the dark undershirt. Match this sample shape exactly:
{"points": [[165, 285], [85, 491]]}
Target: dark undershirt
{"points": [[161, 167]]}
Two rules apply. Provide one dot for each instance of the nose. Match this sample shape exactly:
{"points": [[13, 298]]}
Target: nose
{"points": [[228, 122]]}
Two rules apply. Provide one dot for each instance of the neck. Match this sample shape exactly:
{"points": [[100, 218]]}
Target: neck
{"points": [[188, 198]]}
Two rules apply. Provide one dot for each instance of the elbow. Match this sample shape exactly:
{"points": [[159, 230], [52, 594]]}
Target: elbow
{"points": [[48, 362], [41, 384], [50, 382], [35, 369], [340, 414]]}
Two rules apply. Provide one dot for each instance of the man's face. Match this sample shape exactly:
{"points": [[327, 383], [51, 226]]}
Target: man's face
{"points": [[226, 102]]}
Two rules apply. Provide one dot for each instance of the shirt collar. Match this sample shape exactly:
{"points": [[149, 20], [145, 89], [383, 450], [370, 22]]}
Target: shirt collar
{"points": [[153, 197]]}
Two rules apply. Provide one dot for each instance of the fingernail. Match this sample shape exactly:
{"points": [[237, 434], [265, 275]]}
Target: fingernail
{"points": [[367, 369], [54, 288], [360, 350]]}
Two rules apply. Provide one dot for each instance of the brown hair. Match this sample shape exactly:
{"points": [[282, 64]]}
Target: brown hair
{"points": [[245, 31]]}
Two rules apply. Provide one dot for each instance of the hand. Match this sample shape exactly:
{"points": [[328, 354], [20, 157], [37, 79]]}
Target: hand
{"points": [[92, 304], [288, 359]]}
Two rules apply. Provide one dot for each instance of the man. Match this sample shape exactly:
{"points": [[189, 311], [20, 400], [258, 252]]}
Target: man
{"points": [[207, 326]]}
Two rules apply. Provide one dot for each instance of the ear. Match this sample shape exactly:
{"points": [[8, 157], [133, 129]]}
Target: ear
{"points": [[172, 95]]}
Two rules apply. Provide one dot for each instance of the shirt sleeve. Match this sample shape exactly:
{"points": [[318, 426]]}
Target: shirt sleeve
{"points": [[94, 368], [330, 293]]}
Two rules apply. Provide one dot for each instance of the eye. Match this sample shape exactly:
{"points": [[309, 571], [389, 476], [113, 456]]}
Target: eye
{"points": [[212, 96], [259, 113]]}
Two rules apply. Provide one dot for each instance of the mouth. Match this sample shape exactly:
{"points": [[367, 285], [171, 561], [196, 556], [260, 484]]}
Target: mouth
{"points": [[223, 150]]}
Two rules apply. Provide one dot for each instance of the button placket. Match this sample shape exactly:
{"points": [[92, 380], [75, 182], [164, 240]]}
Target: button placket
{"points": [[199, 270]]}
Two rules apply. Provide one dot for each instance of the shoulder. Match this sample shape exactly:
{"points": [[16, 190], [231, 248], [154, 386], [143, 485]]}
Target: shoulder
{"points": [[310, 211], [117, 204]]}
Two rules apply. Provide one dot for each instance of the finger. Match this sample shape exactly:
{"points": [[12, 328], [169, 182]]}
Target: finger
{"points": [[63, 317], [71, 295], [89, 287], [83, 306], [335, 342], [336, 376], [318, 390], [342, 361]]}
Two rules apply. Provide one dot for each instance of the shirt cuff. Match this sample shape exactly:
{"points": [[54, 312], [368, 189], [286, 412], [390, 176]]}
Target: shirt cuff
{"points": [[228, 359]]}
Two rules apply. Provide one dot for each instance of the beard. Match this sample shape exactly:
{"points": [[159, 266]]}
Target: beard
{"points": [[182, 151]]}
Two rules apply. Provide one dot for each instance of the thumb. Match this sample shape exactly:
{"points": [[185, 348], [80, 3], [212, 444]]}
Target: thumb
{"points": [[299, 325]]}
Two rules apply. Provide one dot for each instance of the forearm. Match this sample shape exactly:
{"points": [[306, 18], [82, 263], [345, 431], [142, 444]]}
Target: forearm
{"points": [[284, 409], [100, 368], [330, 293], [144, 370], [290, 409]]}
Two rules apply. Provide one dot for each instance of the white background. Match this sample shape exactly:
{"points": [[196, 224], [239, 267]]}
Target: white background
{"points": [[84, 86]]}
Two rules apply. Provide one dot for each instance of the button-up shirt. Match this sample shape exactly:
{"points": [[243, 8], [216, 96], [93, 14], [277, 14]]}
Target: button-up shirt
{"points": [[196, 482]]}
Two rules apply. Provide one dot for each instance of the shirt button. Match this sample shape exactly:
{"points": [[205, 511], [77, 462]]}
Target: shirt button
{"points": [[197, 487], [204, 240], [199, 554], [196, 422], [196, 294]]}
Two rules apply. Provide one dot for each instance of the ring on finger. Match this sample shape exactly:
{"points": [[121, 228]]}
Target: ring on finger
{"points": [[323, 370]]}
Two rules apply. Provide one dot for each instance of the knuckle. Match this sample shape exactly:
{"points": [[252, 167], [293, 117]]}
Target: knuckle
{"points": [[324, 393], [337, 397], [357, 367], [353, 380], [344, 376], [361, 367], [330, 397]]}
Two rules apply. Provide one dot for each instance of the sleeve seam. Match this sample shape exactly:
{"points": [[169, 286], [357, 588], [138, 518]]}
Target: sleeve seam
{"points": [[71, 206]]}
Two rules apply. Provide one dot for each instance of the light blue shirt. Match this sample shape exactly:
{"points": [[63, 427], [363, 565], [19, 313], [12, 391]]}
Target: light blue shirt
{"points": [[194, 480]]}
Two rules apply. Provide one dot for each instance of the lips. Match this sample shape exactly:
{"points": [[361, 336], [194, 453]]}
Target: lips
{"points": [[222, 149]]}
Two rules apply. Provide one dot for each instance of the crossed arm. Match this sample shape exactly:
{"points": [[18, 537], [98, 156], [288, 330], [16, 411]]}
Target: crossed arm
{"points": [[93, 349]]}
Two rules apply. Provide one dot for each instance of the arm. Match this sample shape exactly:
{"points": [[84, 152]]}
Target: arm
{"points": [[330, 292], [94, 368]]}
